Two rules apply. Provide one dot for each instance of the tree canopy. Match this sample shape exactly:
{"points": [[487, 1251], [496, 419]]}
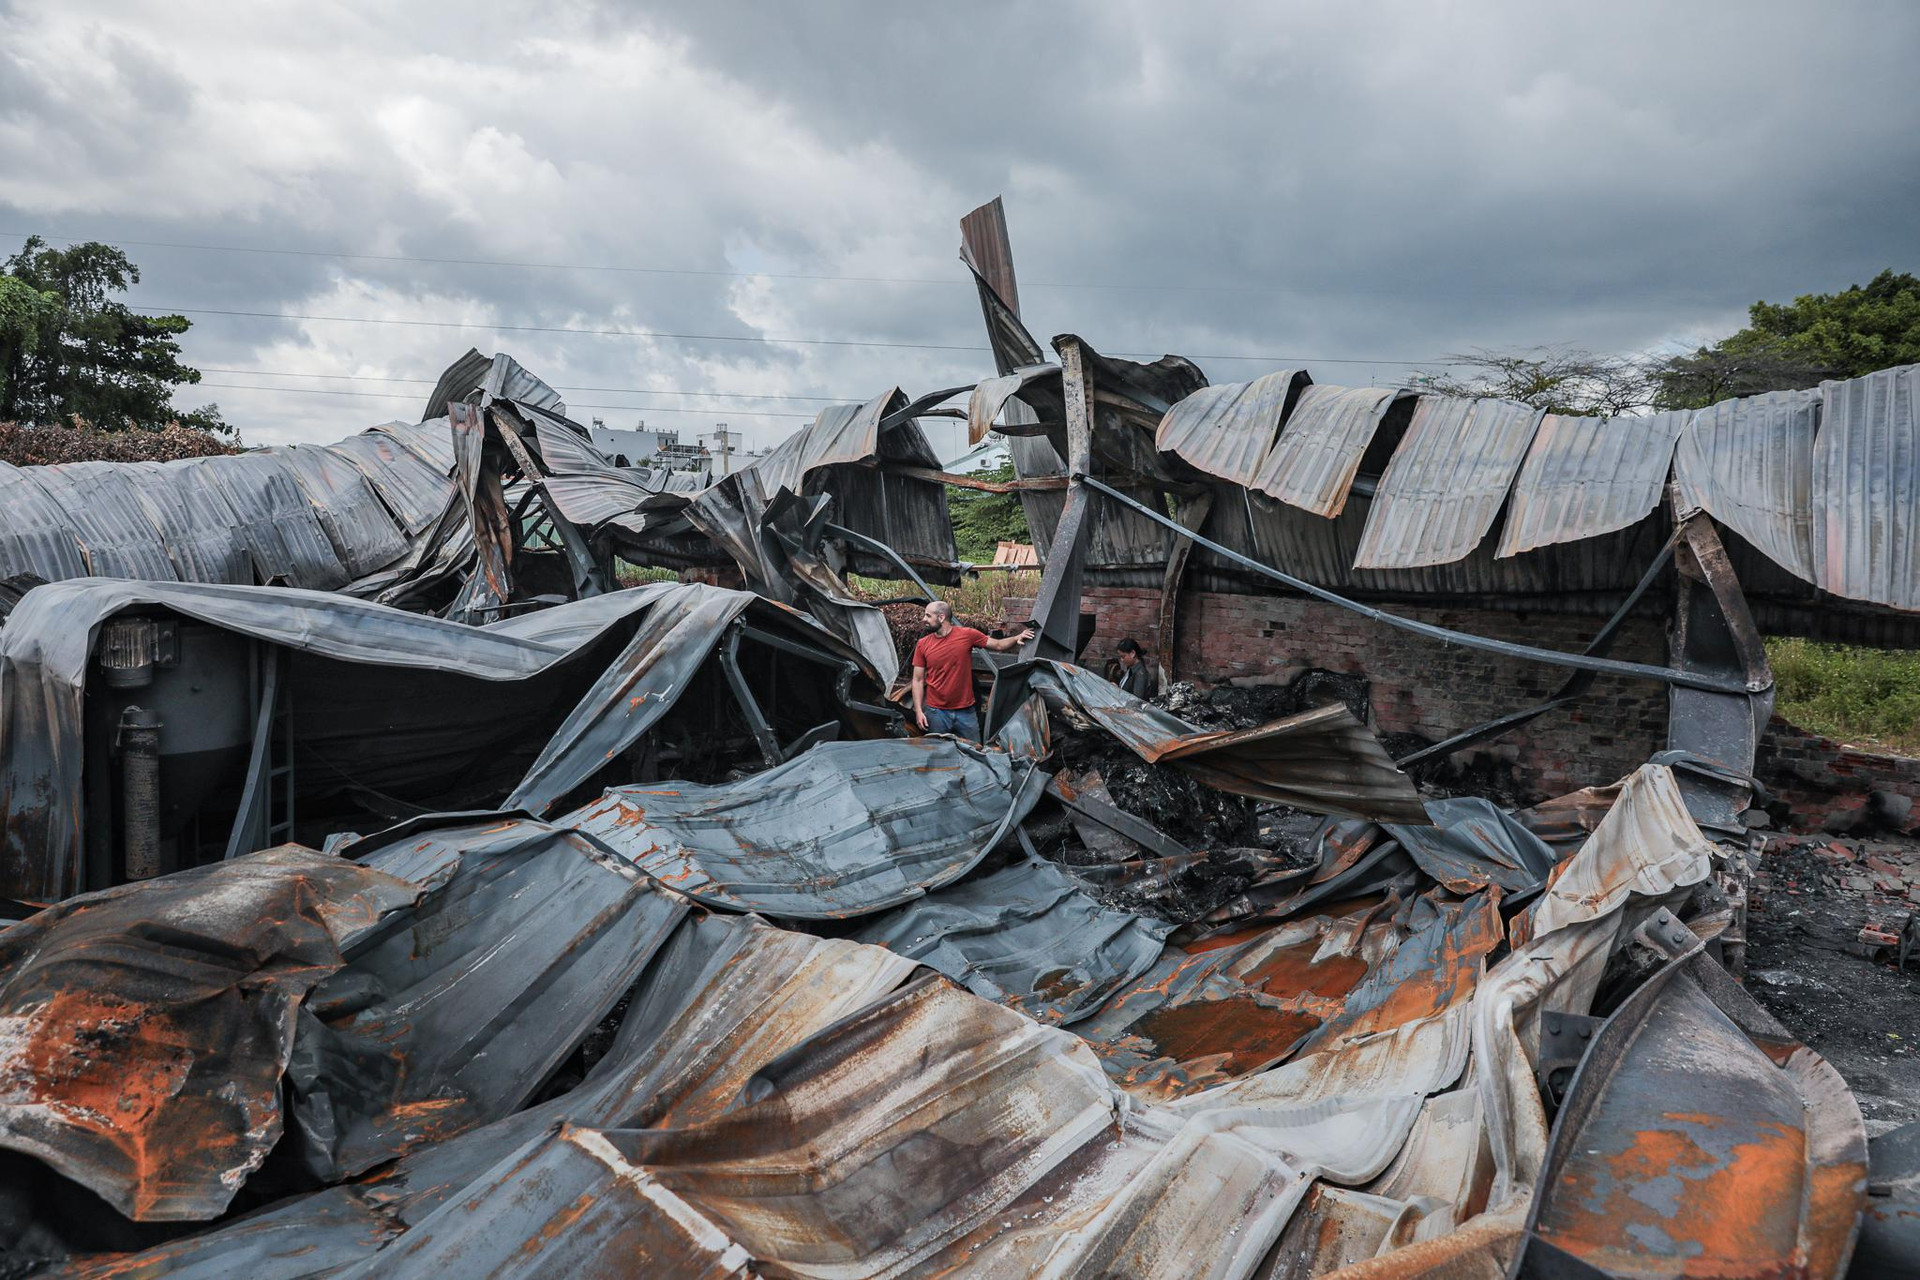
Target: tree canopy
{"points": [[982, 520], [1800, 343], [70, 348]]}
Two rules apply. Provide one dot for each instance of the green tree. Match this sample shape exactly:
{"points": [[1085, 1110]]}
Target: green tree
{"points": [[981, 520], [69, 347], [1800, 343]]}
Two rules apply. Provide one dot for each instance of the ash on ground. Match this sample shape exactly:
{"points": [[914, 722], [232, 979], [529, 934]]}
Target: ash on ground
{"points": [[1242, 843], [1823, 933]]}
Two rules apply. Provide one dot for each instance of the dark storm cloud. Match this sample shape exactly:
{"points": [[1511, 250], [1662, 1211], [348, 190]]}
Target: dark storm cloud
{"points": [[1288, 181]]}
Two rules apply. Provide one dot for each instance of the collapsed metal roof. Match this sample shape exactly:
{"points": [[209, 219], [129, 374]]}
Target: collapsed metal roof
{"points": [[638, 934]]}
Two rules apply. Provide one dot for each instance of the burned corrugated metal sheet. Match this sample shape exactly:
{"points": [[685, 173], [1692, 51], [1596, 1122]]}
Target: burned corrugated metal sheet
{"points": [[35, 535], [823, 1170], [1472, 843], [1652, 1172], [1228, 431], [682, 626], [1321, 760], [1587, 476], [425, 1032], [1648, 844], [1865, 488], [358, 524], [1021, 387], [1441, 493], [1026, 936], [1749, 464], [46, 646], [414, 490], [116, 537], [147, 1027], [1313, 463], [278, 524], [883, 822], [430, 441], [195, 524], [495, 377]]}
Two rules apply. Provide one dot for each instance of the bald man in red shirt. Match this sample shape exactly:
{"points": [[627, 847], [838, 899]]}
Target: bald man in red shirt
{"points": [[943, 672]]}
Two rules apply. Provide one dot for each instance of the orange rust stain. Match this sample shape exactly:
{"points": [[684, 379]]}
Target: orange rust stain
{"points": [[1836, 1198], [1222, 941], [555, 1226], [106, 1067], [1731, 1218], [1247, 1034], [1293, 971], [1057, 983]]}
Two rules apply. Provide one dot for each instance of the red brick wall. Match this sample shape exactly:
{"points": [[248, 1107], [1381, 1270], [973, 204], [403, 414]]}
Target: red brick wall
{"points": [[1435, 690], [1419, 686], [1828, 784]]}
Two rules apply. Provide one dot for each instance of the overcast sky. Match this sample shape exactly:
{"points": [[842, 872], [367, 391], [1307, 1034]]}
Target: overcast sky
{"points": [[1317, 183]]}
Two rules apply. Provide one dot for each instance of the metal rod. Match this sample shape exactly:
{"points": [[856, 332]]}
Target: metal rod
{"points": [[881, 549], [1551, 657], [743, 694]]}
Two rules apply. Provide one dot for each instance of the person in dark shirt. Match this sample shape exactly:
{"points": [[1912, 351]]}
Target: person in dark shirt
{"points": [[943, 672], [1134, 675]]}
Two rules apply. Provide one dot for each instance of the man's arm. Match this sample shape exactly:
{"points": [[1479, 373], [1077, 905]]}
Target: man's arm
{"points": [[1006, 644], [919, 696]]}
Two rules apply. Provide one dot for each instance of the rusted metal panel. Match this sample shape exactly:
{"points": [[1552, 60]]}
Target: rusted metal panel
{"points": [[845, 829], [1028, 937], [1227, 431], [908, 1123], [1024, 388], [148, 1026], [415, 492], [1865, 488], [1587, 476], [101, 507], [1749, 464], [1647, 845], [1441, 493], [35, 535], [364, 535], [1313, 464], [1699, 1139], [426, 1033]]}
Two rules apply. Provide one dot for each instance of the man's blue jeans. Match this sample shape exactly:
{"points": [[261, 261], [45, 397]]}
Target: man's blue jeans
{"points": [[964, 723]]}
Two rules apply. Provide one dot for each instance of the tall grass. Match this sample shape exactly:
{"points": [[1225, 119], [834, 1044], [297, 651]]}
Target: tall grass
{"points": [[978, 598], [1862, 696]]}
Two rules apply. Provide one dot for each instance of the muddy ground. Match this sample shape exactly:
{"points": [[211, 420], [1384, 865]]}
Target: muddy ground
{"points": [[1807, 963]]}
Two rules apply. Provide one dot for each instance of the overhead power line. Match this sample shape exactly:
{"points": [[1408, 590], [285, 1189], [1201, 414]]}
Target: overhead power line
{"points": [[649, 391], [1296, 361], [401, 395], [955, 281]]}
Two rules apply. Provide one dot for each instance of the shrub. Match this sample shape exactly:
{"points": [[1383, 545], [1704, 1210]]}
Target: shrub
{"points": [[1859, 695]]}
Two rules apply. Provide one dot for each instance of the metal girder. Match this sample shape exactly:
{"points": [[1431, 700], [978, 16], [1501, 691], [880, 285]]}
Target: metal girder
{"points": [[1446, 635]]}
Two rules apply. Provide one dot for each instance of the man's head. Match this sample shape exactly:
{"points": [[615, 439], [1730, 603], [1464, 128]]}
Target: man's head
{"points": [[1129, 651], [938, 615]]}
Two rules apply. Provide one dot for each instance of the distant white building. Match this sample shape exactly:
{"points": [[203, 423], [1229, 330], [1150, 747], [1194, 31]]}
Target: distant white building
{"points": [[636, 445], [985, 456]]}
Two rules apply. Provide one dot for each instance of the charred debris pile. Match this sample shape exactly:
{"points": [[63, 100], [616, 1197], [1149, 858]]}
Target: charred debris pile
{"points": [[392, 894]]}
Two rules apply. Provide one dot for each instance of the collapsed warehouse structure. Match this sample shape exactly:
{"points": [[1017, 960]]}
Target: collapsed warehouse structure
{"points": [[396, 894]]}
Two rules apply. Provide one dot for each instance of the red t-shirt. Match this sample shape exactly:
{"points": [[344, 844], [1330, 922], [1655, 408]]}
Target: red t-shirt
{"points": [[949, 663]]}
